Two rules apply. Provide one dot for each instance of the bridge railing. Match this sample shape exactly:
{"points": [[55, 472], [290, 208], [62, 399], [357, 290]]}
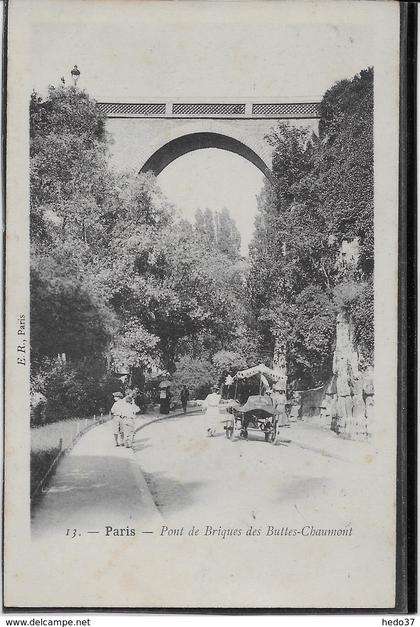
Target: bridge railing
{"points": [[259, 109]]}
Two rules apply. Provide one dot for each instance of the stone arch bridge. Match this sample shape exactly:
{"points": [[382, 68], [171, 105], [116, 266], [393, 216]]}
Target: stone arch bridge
{"points": [[148, 136]]}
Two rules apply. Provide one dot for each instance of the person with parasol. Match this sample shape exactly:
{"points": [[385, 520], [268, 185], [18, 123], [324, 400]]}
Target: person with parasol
{"points": [[164, 397]]}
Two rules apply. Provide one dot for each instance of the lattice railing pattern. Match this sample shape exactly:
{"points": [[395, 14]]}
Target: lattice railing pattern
{"points": [[208, 109], [133, 109], [274, 110], [287, 109]]}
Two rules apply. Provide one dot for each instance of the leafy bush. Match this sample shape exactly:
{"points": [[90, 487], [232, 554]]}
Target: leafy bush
{"points": [[40, 463], [45, 444], [72, 390], [346, 294], [151, 392], [311, 328], [45, 447], [197, 374], [322, 196], [228, 362]]}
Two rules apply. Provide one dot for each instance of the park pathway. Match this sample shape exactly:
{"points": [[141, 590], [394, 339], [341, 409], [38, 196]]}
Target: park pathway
{"points": [[176, 472], [95, 484], [311, 475]]}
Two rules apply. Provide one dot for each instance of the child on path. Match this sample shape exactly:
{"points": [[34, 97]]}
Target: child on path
{"points": [[117, 420], [129, 411]]}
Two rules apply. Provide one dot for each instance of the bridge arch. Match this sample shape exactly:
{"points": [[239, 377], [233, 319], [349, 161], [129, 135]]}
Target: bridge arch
{"points": [[190, 142]]}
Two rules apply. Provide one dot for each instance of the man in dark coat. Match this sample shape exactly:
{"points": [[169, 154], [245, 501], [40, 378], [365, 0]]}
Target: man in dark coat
{"points": [[185, 397]]}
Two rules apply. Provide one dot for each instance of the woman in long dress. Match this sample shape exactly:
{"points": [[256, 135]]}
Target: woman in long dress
{"points": [[164, 400], [211, 407]]}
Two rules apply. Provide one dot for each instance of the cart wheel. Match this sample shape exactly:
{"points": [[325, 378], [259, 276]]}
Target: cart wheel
{"points": [[236, 432], [229, 431], [273, 434], [276, 435]]}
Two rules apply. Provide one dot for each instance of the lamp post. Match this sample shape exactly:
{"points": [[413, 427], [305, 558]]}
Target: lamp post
{"points": [[75, 74]]}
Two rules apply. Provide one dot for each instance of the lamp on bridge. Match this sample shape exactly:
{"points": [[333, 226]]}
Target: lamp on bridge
{"points": [[75, 74]]}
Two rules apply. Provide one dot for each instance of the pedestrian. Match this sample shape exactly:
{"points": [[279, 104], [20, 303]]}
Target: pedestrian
{"points": [[279, 401], [129, 411], [169, 398], [295, 410], [185, 397], [211, 407], [117, 410], [165, 399]]}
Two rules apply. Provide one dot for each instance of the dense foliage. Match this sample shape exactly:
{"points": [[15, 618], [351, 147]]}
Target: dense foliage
{"points": [[117, 281], [197, 374], [322, 197]]}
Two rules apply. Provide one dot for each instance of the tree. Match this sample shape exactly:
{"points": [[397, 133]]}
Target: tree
{"points": [[204, 225], [68, 165], [196, 293], [228, 362], [64, 317], [345, 162], [227, 235], [197, 374], [218, 229], [322, 196], [86, 221]]}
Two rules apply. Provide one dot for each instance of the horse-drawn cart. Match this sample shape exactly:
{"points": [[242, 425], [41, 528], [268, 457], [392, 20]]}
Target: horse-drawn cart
{"points": [[259, 412]]}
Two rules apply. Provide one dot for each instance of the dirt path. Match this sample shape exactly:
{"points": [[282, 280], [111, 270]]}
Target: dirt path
{"points": [[96, 484], [178, 474], [196, 478]]}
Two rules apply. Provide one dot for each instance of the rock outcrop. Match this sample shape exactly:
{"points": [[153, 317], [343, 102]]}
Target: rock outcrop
{"points": [[350, 396]]}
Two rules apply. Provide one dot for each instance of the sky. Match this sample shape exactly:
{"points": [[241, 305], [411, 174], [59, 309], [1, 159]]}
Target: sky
{"points": [[289, 51], [214, 179]]}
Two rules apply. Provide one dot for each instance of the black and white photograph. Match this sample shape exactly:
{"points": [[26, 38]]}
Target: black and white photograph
{"points": [[203, 203]]}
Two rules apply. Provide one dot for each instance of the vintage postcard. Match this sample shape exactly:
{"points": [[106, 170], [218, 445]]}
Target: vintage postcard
{"points": [[201, 304]]}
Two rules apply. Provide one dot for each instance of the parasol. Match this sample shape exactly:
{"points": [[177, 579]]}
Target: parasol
{"points": [[265, 373], [260, 369]]}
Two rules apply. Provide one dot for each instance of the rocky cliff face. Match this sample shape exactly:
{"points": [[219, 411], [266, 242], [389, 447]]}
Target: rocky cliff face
{"points": [[349, 399]]}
